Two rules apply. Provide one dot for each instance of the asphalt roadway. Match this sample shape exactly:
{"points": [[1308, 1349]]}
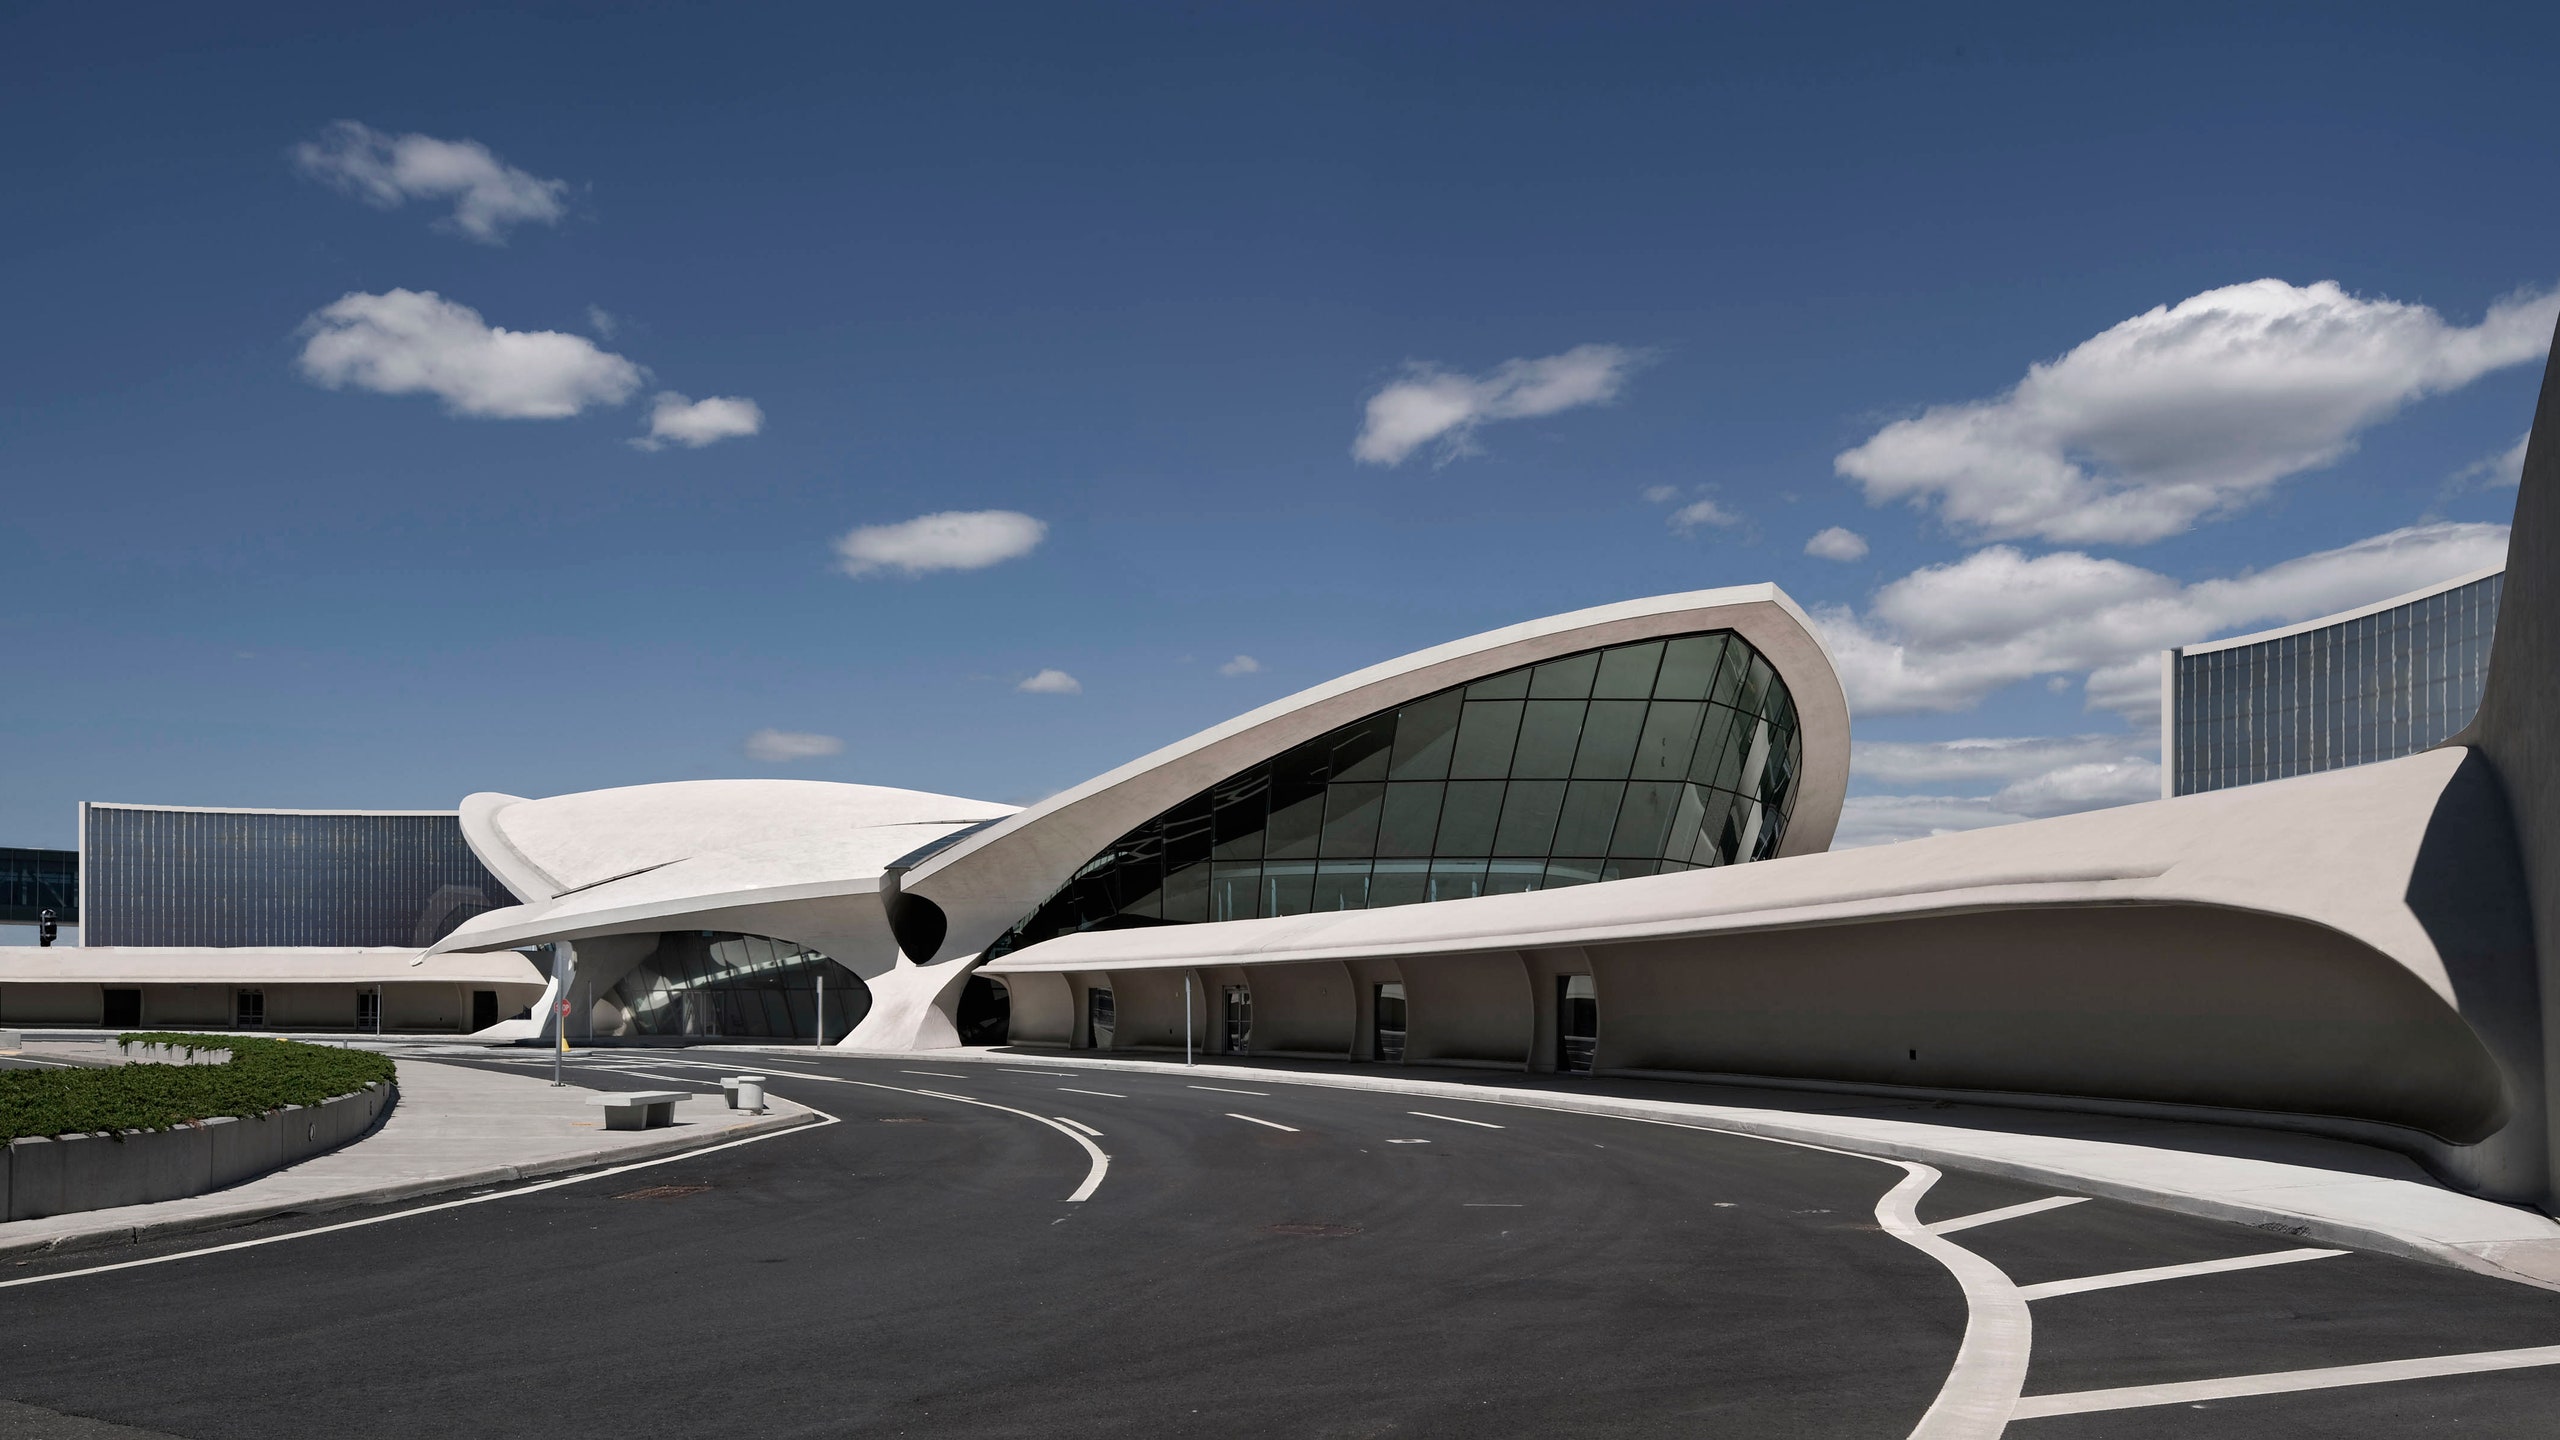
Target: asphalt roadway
{"points": [[1254, 1258]]}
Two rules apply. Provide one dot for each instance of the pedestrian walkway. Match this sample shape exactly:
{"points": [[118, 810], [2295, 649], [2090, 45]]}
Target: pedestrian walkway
{"points": [[454, 1128]]}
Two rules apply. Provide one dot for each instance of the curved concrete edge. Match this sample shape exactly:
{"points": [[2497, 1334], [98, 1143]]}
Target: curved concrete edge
{"points": [[2390, 1217], [107, 1236], [41, 1178]]}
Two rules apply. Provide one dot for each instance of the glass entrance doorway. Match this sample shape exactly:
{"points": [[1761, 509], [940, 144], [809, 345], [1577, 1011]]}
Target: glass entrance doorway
{"points": [[1102, 1018], [1239, 1017], [1387, 1023], [1577, 1024]]}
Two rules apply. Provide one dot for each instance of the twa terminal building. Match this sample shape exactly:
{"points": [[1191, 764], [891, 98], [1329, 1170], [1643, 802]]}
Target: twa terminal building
{"points": [[1600, 842]]}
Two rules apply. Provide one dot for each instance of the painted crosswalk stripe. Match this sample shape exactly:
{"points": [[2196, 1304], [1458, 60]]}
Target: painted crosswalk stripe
{"points": [[2282, 1382], [2051, 1288], [2005, 1212]]}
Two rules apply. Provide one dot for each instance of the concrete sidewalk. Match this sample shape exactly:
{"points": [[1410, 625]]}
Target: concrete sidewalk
{"points": [[2306, 1185], [453, 1128]]}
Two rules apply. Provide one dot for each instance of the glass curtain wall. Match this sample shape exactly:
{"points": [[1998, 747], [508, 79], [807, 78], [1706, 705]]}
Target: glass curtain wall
{"points": [[1633, 760], [233, 877], [34, 881], [2377, 687], [709, 982]]}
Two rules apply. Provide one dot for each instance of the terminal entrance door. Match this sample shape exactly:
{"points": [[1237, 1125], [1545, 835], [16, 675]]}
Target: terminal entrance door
{"points": [[1386, 1009], [1239, 1017], [1102, 1017], [1577, 1024], [484, 1009], [123, 1009]]}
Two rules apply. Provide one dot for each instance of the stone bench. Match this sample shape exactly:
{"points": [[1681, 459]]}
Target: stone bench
{"points": [[640, 1109]]}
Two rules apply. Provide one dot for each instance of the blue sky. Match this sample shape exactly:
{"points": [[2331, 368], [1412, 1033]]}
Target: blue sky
{"points": [[288, 523]]}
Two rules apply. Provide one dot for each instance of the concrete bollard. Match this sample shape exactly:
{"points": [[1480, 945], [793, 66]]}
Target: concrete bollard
{"points": [[751, 1093]]}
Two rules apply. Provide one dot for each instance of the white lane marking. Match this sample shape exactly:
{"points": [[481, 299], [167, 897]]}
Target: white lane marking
{"points": [[1080, 1125], [1052, 1074], [1991, 1360], [483, 1198], [1491, 1205], [2283, 1382], [1105, 1094], [1223, 1090], [2052, 1288], [1274, 1124], [1408, 1142], [945, 1074], [1099, 1164], [1100, 1167], [1454, 1120], [2005, 1212]]}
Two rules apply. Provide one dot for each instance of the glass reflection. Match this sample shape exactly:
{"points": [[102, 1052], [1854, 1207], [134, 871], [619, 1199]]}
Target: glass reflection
{"points": [[1630, 760]]}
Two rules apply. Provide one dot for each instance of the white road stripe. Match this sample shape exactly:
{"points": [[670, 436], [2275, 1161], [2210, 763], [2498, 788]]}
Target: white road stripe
{"points": [[1454, 1120], [1274, 1124], [1052, 1074], [824, 1120], [1080, 1125], [945, 1074], [1991, 1360], [1223, 1090], [1106, 1094], [2283, 1382], [2005, 1212], [2051, 1288], [1099, 1164]]}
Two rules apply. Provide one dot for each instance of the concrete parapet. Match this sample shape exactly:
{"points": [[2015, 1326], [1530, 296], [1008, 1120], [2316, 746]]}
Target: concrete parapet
{"points": [[59, 1176], [169, 1055]]}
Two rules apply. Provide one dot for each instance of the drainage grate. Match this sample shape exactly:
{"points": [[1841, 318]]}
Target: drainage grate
{"points": [[1327, 1232], [663, 1192]]}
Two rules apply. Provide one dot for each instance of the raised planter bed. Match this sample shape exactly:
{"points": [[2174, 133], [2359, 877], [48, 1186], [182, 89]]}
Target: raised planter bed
{"points": [[188, 1127]]}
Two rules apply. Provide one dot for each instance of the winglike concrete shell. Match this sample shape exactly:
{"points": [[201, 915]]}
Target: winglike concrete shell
{"points": [[2347, 944], [989, 880]]}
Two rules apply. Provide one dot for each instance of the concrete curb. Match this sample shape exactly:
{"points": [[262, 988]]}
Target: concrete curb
{"points": [[1812, 1130], [107, 1236], [42, 1177]]}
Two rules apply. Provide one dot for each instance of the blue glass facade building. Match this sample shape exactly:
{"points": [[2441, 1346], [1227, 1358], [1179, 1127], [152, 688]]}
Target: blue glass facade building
{"points": [[167, 876], [2373, 684]]}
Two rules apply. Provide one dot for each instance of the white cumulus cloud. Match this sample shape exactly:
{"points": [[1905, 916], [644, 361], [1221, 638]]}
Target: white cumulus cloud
{"points": [[945, 540], [2504, 468], [387, 171], [1944, 637], [1884, 819], [1687, 519], [2186, 411], [416, 342], [1241, 665], [783, 746], [1052, 682], [1837, 543], [675, 420], [1428, 404]]}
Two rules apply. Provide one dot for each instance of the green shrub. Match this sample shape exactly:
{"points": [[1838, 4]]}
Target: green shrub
{"points": [[263, 1075]]}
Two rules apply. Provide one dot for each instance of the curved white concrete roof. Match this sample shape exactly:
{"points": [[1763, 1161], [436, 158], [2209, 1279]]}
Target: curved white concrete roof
{"points": [[989, 880], [2336, 849], [644, 856]]}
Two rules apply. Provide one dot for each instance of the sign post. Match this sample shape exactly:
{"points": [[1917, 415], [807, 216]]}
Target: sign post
{"points": [[1186, 1019], [822, 1009], [563, 1047]]}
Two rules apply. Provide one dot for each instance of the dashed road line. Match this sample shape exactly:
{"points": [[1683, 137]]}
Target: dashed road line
{"points": [[1454, 1120], [1079, 1125], [1052, 1074], [1223, 1090], [1106, 1094], [2051, 1288], [1274, 1124], [2282, 1382], [2005, 1212], [945, 1074]]}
